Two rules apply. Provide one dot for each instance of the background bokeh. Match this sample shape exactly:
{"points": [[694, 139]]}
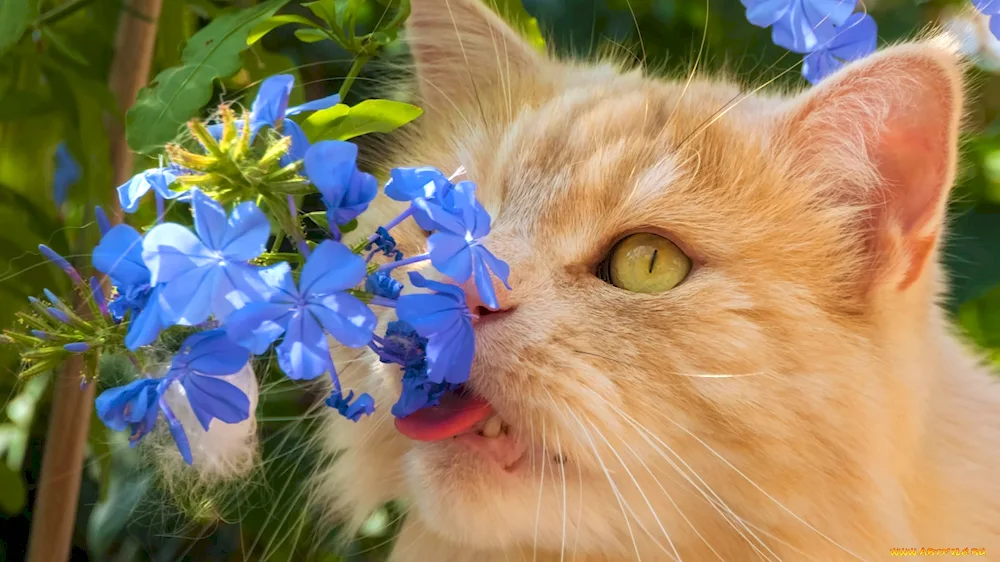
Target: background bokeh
{"points": [[53, 89]]}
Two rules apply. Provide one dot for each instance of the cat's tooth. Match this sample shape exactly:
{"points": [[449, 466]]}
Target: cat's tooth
{"points": [[492, 427]]}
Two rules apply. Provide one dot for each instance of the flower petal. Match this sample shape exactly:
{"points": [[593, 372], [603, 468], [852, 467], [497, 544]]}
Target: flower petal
{"points": [[455, 292], [111, 403], [119, 254], [209, 220], [145, 326], [484, 285], [215, 398], [451, 255], [331, 267], [346, 318], [763, 13], [187, 300], [272, 99], [496, 265], [170, 251], [300, 142], [407, 184], [210, 353], [246, 233], [315, 105], [304, 353], [857, 38], [449, 357], [329, 166], [257, 325]]}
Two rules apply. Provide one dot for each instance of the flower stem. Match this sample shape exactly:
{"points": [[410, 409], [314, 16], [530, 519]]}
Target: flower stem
{"points": [[382, 301], [406, 261], [352, 74], [393, 223]]}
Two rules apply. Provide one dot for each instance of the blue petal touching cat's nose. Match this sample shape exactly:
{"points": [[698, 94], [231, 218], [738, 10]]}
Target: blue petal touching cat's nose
{"points": [[478, 306]]}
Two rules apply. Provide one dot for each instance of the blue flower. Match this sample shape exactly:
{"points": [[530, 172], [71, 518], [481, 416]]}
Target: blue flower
{"points": [[363, 406], [77, 347], [97, 292], [60, 261], [990, 8], [305, 314], [383, 242], [347, 191], [157, 179], [855, 39], [270, 108], [424, 183], [444, 319], [119, 255], [418, 392], [455, 249], [103, 224], [799, 25], [203, 357], [382, 284], [207, 273], [132, 407], [404, 346], [67, 173]]}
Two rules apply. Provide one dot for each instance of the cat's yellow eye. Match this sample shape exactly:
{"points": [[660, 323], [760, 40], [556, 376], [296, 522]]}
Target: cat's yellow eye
{"points": [[645, 263]]}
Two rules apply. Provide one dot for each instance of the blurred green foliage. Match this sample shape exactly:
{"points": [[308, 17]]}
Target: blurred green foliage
{"points": [[55, 58]]}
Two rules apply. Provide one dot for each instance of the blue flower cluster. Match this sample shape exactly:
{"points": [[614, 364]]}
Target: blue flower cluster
{"points": [[828, 32], [219, 277], [990, 8]]}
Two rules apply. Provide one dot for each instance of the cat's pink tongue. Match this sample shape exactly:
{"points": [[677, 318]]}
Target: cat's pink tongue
{"points": [[455, 415]]}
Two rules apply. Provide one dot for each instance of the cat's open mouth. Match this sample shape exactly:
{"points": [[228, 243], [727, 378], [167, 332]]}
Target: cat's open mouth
{"points": [[471, 421]]}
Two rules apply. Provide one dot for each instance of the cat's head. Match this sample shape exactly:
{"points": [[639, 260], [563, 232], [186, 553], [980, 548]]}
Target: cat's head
{"points": [[719, 296]]}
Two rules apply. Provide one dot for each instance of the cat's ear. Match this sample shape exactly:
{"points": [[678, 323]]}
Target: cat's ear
{"points": [[881, 135], [466, 55]]}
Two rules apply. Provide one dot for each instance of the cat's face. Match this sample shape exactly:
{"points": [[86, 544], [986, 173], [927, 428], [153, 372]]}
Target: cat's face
{"points": [[752, 358]]}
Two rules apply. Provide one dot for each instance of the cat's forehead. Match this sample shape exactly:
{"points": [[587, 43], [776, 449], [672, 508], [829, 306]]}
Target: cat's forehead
{"points": [[596, 158]]}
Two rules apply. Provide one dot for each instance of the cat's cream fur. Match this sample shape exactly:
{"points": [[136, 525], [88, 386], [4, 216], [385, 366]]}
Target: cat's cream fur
{"points": [[801, 396]]}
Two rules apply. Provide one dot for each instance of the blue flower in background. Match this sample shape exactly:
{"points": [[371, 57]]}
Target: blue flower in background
{"points": [[444, 319], [332, 167], [203, 357], [119, 255], [207, 273], [157, 179], [990, 8], [799, 25], [270, 109], [67, 173], [855, 39], [455, 248], [305, 314], [132, 407]]}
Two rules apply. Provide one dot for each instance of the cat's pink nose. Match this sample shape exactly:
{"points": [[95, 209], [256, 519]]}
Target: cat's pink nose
{"points": [[479, 308]]}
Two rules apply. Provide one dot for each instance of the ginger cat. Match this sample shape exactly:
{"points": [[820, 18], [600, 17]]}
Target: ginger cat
{"points": [[781, 385]]}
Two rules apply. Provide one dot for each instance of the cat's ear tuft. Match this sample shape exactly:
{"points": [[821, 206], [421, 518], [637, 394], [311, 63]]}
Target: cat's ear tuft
{"points": [[881, 136], [465, 54]]}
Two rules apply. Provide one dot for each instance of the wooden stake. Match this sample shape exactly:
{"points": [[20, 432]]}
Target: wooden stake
{"points": [[65, 444]]}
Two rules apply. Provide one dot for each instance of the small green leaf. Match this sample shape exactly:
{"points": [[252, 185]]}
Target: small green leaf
{"points": [[310, 35], [369, 116], [325, 10], [13, 21], [323, 119], [13, 493], [270, 24], [349, 227], [513, 11], [178, 93]]}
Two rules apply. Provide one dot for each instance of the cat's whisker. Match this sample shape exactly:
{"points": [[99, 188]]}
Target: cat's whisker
{"points": [[562, 473], [638, 487], [715, 501], [468, 65], [541, 490], [761, 490], [607, 474]]}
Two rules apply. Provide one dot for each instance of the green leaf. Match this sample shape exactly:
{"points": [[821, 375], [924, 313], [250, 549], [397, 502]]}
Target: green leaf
{"points": [[178, 94], [270, 24], [325, 10], [13, 493], [513, 11], [310, 35], [13, 21], [321, 120], [369, 116]]}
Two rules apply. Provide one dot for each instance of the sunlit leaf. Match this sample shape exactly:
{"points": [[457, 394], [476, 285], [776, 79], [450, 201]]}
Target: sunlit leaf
{"points": [[270, 24], [513, 11], [14, 16], [318, 122], [178, 94], [310, 35], [369, 116]]}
